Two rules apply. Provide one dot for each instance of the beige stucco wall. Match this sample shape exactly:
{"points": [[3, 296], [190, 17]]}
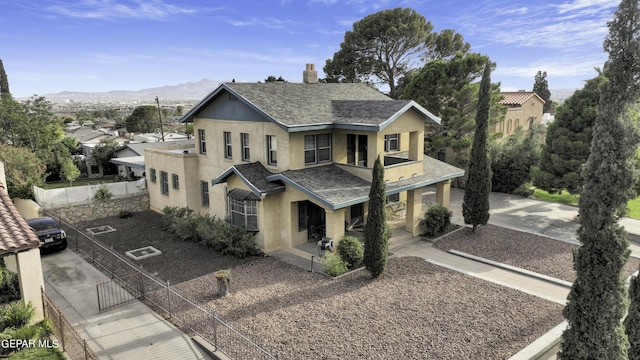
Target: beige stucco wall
{"points": [[28, 266], [183, 165], [519, 116]]}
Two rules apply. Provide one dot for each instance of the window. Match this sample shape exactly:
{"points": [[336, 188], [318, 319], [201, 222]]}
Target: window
{"points": [[244, 142], [272, 151], [202, 141], [357, 149], [392, 142], [317, 148], [228, 154], [243, 213], [164, 183], [393, 198], [204, 193], [175, 181], [153, 175], [302, 215]]}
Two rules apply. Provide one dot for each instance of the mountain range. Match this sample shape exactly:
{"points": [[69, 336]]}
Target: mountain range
{"points": [[190, 91]]}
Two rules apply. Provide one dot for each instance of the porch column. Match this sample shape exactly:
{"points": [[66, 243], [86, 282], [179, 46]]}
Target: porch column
{"points": [[414, 211], [334, 224], [31, 280], [443, 193]]}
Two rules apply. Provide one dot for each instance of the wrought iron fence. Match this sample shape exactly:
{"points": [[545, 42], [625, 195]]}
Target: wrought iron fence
{"points": [[191, 317], [72, 343]]}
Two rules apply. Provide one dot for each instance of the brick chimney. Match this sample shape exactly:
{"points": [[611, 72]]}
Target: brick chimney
{"points": [[310, 75]]}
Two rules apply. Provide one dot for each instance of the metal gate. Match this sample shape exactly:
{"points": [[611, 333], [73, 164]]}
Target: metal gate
{"points": [[111, 294]]}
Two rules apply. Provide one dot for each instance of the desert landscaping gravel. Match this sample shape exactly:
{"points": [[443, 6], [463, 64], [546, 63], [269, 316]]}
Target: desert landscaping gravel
{"points": [[415, 310], [527, 251]]}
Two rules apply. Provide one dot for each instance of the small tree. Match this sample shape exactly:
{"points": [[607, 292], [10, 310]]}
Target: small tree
{"points": [[23, 170], [70, 171], [376, 232], [475, 206], [103, 152]]}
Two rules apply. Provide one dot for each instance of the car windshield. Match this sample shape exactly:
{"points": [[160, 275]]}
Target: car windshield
{"points": [[39, 226]]}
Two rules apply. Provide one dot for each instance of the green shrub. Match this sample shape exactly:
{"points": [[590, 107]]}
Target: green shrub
{"points": [[103, 193], [523, 191], [15, 315], [333, 264], [213, 232], [351, 251], [172, 213], [9, 286], [436, 220]]}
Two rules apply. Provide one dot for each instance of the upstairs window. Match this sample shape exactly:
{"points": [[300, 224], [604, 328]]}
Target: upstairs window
{"points": [[228, 153], [175, 181], [244, 142], [392, 142], [202, 141], [152, 175], [164, 183], [272, 152], [317, 148]]}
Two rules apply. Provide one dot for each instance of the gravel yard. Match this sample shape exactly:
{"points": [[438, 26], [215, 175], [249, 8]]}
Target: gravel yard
{"points": [[414, 310], [528, 251]]}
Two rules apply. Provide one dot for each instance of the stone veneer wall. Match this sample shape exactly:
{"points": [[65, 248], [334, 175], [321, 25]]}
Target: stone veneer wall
{"points": [[98, 209]]}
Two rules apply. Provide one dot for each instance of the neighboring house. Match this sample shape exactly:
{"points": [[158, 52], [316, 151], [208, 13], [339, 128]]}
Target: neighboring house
{"points": [[289, 159], [19, 249], [521, 105], [130, 157]]}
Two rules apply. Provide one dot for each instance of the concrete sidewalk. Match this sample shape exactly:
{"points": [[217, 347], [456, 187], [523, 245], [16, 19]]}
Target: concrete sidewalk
{"points": [[131, 331]]}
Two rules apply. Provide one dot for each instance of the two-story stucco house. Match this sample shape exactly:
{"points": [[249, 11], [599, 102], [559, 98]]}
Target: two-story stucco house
{"points": [[521, 106], [286, 159]]}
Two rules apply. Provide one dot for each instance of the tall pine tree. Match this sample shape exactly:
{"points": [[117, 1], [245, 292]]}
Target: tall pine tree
{"points": [[376, 232], [597, 300], [4, 82], [475, 207], [541, 87]]}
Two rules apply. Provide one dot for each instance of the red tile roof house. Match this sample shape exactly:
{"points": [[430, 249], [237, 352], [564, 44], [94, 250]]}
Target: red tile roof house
{"points": [[19, 248]]}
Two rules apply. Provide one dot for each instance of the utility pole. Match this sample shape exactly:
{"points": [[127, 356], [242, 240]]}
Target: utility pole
{"points": [[160, 115]]}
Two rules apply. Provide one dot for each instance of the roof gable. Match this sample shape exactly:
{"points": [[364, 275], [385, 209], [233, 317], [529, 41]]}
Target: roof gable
{"points": [[518, 97], [301, 106]]}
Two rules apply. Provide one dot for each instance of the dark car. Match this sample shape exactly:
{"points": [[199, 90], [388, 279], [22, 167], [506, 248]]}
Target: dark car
{"points": [[52, 237]]}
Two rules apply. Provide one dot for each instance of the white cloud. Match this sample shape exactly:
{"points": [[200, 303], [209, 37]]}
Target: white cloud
{"points": [[114, 9], [565, 67]]}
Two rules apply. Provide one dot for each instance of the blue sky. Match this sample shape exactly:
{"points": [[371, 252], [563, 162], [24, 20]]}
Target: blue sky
{"points": [[49, 46]]}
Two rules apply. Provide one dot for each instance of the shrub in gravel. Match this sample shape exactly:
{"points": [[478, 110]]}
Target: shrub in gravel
{"points": [[436, 220], [172, 214], [351, 250], [333, 264], [211, 231]]}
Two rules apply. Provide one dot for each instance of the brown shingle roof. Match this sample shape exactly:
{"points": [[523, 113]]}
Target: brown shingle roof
{"points": [[15, 234], [518, 97]]}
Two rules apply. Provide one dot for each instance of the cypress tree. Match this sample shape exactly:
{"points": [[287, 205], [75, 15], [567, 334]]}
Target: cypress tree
{"points": [[475, 207], [376, 233], [4, 82], [597, 300], [632, 321], [541, 87]]}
